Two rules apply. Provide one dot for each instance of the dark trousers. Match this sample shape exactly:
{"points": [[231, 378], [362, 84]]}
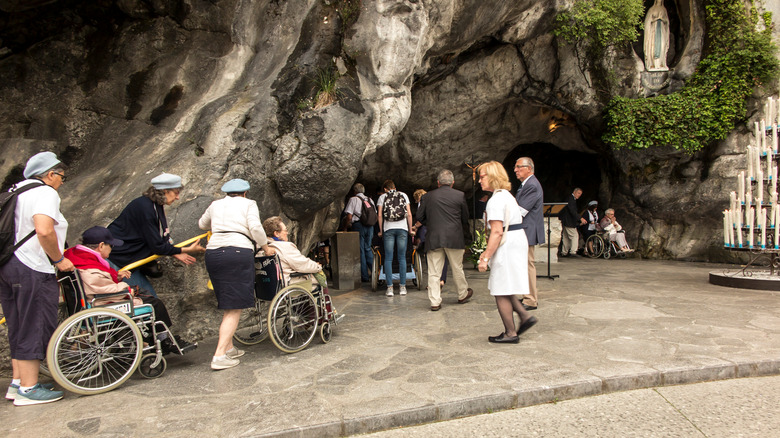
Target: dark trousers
{"points": [[29, 299]]}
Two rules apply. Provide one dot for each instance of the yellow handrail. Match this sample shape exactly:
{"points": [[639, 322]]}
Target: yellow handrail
{"points": [[155, 257]]}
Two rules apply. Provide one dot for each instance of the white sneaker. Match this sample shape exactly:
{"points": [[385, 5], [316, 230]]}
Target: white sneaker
{"points": [[389, 292], [223, 362], [403, 290], [234, 353]]}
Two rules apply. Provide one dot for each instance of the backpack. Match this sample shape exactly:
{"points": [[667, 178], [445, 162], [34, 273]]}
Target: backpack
{"points": [[8, 222], [367, 212], [394, 207]]}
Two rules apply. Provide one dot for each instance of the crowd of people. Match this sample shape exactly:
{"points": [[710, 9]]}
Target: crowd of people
{"points": [[29, 289]]}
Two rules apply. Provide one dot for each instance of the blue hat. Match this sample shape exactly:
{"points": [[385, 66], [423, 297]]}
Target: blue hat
{"points": [[95, 235], [39, 163], [166, 181], [237, 185]]}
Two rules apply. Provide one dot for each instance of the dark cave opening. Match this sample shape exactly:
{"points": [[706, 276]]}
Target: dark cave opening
{"points": [[559, 171]]}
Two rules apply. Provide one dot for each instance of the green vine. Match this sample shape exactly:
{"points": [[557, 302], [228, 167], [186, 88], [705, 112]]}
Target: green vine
{"points": [[593, 28], [739, 57]]}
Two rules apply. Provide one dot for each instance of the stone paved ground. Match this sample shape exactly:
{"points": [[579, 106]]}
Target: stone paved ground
{"points": [[605, 326]]}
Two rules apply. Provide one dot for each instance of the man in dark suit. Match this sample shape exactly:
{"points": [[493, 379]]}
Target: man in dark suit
{"points": [[570, 219], [530, 197], [445, 212]]}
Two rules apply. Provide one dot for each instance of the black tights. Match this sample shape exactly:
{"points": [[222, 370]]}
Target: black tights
{"points": [[507, 305]]}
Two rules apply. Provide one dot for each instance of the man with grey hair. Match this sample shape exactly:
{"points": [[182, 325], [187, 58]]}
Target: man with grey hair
{"points": [[530, 197], [352, 213], [570, 219], [445, 212]]}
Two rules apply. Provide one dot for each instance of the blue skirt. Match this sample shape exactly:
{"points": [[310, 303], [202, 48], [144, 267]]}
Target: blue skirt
{"points": [[232, 273]]}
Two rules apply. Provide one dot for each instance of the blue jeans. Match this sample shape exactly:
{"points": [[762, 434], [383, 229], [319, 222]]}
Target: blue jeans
{"points": [[137, 279], [366, 254], [395, 238]]}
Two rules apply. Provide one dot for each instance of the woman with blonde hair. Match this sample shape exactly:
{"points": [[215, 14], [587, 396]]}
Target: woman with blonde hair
{"points": [[506, 253]]}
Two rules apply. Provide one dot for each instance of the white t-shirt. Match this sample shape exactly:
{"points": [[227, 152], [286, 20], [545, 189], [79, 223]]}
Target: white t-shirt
{"points": [[392, 225], [40, 200], [355, 207]]}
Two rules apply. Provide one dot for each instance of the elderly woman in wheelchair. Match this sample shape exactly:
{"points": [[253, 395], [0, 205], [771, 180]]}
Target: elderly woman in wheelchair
{"points": [[292, 297], [110, 328], [610, 239]]}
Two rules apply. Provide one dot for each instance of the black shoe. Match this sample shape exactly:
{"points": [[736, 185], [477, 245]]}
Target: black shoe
{"points": [[167, 347], [527, 307], [530, 322], [504, 339]]}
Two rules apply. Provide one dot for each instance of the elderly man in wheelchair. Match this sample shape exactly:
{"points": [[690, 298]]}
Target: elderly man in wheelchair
{"points": [[111, 330], [292, 297]]}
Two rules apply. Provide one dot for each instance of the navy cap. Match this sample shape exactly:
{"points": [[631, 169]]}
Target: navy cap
{"points": [[165, 181], [39, 163], [95, 235], [237, 185]]}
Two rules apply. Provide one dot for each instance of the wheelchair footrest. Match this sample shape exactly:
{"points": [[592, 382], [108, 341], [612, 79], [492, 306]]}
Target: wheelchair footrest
{"points": [[188, 348]]}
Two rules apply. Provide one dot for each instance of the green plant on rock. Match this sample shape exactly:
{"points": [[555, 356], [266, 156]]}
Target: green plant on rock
{"points": [[740, 56], [593, 28], [349, 11], [325, 84]]}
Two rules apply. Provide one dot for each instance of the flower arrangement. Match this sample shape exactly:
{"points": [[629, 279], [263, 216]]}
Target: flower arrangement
{"points": [[477, 247]]}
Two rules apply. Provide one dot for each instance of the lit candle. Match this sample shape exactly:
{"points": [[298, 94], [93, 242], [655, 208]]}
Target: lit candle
{"points": [[741, 187], [760, 188], [774, 137], [738, 217], [749, 155], [725, 228], [739, 231], [762, 218], [777, 220], [750, 221], [731, 227], [763, 135], [756, 135]]}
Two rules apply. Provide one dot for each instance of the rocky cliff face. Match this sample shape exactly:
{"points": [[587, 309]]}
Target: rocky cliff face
{"points": [[219, 89]]}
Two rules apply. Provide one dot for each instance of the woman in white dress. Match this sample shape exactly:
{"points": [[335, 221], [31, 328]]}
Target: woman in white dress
{"points": [[508, 260]]}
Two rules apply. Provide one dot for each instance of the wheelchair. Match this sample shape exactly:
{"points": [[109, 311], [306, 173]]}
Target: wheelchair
{"points": [[98, 347], [414, 267], [291, 314], [599, 245]]}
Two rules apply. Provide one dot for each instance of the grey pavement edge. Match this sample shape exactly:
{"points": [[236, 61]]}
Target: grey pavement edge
{"points": [[605, 326], [727, 408]]}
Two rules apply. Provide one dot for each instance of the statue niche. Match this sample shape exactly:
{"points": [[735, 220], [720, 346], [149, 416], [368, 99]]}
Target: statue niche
{"points": [[656, 37]]}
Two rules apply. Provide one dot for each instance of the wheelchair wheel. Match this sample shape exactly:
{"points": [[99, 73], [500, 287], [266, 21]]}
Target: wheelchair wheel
{"points": [[148, 369], [596, 243], [376, 266], [418, 270], [252, 327], [607, 251], [325, 332], [94, 351], [293, 318]]}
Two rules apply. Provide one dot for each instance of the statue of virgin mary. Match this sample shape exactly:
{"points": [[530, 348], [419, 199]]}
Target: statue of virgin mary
{"points": [[656, 37]]}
